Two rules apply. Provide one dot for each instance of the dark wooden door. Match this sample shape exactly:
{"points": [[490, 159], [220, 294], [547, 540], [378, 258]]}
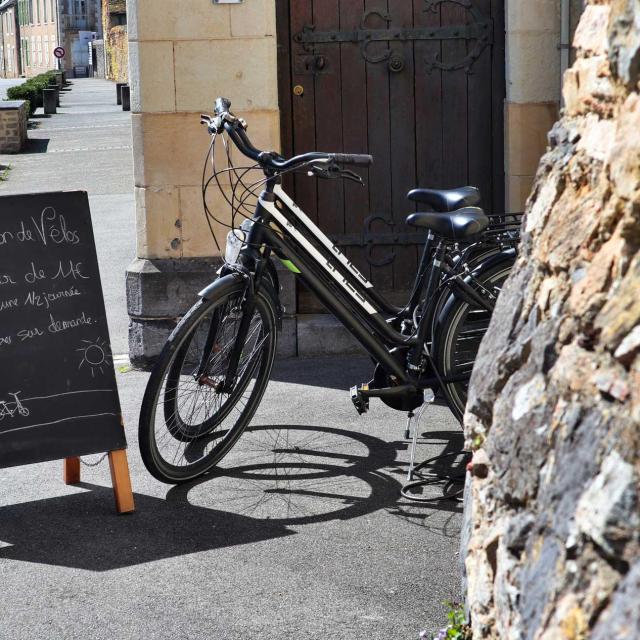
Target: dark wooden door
{"points": [[419, 84]]}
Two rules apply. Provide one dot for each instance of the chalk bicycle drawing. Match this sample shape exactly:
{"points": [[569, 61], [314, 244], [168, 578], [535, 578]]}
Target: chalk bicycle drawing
{"points": [[215, 366], [9, 409]]}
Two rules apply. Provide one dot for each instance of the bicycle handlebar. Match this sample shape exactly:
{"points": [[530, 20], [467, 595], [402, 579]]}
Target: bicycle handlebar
{"points": [[236, 128]]}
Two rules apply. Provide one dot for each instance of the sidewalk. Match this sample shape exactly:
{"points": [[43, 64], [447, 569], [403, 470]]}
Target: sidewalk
{"points": [[302, 536], [87, 146]]}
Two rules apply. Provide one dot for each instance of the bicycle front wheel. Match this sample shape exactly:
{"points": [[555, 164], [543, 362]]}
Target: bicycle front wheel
{"points": [[191, 414]]}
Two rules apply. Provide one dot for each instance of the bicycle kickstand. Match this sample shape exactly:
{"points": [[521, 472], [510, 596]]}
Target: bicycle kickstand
{"points": [[411, 417]]}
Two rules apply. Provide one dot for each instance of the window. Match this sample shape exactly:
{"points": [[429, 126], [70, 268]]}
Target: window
{"points": [[44, 10], [37, 10], [47, 51], [39, 51]]}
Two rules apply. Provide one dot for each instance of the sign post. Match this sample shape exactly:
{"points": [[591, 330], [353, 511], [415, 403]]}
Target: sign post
{"points": [[58, 392]]}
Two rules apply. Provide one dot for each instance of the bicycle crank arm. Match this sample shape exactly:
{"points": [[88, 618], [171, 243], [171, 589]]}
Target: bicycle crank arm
{"points": [[409, 396]]}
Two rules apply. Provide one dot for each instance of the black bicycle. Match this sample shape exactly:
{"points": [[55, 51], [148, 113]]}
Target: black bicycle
{"points": [[214, 369]]}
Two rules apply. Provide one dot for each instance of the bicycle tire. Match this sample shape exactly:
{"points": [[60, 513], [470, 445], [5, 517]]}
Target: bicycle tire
{"points": [[210, 440], [455, 348]]}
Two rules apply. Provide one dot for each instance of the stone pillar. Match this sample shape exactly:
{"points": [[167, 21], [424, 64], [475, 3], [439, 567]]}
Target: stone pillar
{"points": [[180, 61], [13, 125], [533, 91]]}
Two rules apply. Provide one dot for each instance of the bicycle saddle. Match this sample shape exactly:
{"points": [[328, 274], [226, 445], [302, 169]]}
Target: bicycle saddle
{"points": [[455, 225], [446, 199]]}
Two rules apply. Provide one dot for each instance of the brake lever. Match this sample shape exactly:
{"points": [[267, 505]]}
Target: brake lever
{"points": [[333, 172], [347, 174]]}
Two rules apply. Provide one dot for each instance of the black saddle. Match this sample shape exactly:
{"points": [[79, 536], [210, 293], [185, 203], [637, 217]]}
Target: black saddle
{"points": [[455, 225], [446, 199]]}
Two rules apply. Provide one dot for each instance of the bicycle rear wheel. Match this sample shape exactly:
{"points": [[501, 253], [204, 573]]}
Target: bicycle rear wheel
{"points": [[458, 339], [190, 419]]}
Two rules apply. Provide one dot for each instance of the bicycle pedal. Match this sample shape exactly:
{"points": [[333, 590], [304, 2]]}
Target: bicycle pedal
{"points": [[360, 401]]}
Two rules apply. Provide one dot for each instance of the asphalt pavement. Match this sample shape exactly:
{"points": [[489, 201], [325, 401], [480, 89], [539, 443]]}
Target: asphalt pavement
{"points": [[302, 533]]}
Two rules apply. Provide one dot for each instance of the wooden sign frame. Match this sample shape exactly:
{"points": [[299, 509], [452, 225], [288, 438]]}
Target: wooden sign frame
{"points": [[53, 307], [120, 478]]}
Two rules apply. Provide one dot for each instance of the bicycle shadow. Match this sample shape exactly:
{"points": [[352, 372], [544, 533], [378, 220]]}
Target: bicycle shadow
{"points": [[82, 531], [449, 477], [302, 474]]}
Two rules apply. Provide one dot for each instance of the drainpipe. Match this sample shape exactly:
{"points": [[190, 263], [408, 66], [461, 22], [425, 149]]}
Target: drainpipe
{"points": [[565, 39], [3, 68], [59, 25]]}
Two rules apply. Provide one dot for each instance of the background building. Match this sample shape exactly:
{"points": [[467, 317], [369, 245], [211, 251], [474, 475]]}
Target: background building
{"points": [[42, 26], [10, 63]]}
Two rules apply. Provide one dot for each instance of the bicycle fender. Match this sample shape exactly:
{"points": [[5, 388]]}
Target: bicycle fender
{"points": [[235, 281], [492, 261], [226, 283]]}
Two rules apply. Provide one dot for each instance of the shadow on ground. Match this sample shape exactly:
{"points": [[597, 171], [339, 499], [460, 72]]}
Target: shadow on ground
{"points": [[288, 483]]}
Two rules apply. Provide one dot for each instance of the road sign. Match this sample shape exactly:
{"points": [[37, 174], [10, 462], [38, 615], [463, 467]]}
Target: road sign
{"points": [[59, 52]]}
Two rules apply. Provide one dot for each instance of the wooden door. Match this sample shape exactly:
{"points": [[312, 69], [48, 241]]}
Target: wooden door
{"points": [[419, 84]]}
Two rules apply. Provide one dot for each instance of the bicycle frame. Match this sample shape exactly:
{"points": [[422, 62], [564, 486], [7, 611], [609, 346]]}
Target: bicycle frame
{"points": [[331, 276]]}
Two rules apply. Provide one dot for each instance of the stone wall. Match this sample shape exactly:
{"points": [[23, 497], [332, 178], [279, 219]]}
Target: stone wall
{"points": [[13, 125], [116, 47], [552, 525]]}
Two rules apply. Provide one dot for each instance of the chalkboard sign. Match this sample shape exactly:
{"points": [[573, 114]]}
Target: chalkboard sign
{"points": [[58, 394]]}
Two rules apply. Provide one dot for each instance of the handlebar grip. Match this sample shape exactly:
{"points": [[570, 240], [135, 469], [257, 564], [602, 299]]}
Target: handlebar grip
{"points": [[222, 106], [356, 159]]}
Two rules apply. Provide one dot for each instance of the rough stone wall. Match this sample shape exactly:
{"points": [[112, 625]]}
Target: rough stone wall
{"points": [[117, 48], [552, 536]]}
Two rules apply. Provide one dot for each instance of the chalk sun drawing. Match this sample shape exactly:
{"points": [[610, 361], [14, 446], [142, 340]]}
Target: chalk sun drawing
{"points": [[95, 356]]}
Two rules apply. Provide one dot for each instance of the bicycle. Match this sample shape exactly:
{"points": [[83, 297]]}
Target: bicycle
{"points": [[18, 407], [214, 369]]}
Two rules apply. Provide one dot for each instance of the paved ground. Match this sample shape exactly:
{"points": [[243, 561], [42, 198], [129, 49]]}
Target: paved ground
{"points": [[87, 146], [301, 536]]}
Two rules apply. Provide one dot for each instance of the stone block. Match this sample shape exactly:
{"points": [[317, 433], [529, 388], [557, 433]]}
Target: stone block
{"points": [[518, 191], [288, 290], [166, 289], [288, 338], [322, 334], [168, 20], [158, 223], [152, 79], [146, 340], [170, 148], [526, 129], [538, 16], [533, 67], [196, 235], [243, 70], [253, 19]]}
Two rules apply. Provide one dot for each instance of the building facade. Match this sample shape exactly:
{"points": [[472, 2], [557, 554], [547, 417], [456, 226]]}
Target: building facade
{"points": [[10, 63], [43, 25], [451, 107]]}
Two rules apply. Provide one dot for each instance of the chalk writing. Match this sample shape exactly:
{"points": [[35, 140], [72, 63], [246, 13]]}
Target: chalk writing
{"points": [[52, 227], [56, 326], [8, 304], [27, 334]]}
